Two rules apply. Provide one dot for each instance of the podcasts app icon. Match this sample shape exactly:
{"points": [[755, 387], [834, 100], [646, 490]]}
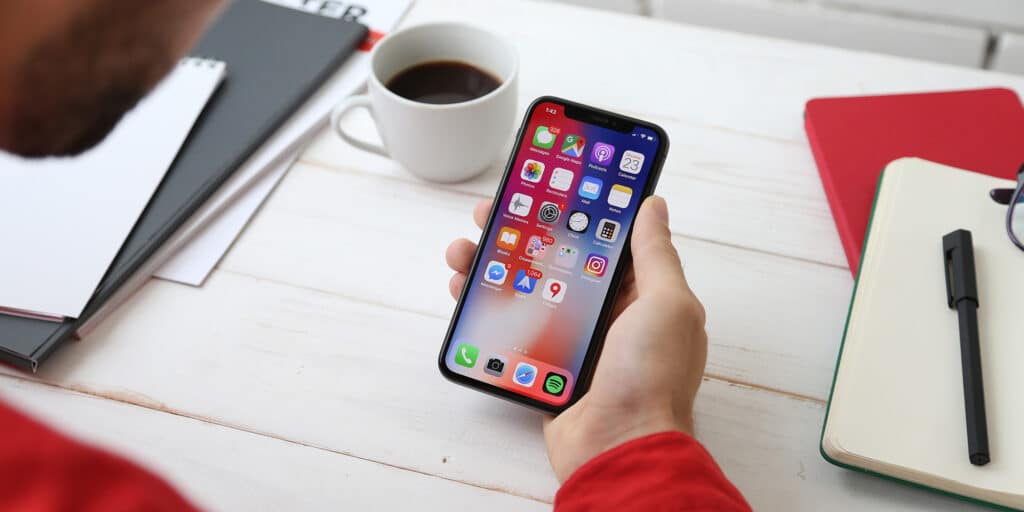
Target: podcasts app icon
{"points": [[602, 153]]}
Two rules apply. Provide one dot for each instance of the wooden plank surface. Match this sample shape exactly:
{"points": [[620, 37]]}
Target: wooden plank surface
{"points": [[765, 196], [321, 327], [359, 379], [719, 94], [308, 237], [219, 468], [355, 378]]}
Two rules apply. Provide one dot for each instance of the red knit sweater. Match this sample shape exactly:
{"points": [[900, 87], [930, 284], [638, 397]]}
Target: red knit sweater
{"points": [[44, 470], [666, 471]]}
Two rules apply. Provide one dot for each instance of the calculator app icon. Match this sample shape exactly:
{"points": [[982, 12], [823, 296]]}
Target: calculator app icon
{"points": [[608, 230]]}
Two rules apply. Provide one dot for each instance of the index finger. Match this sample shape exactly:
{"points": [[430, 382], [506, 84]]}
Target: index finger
{"points": [[481, 211]]}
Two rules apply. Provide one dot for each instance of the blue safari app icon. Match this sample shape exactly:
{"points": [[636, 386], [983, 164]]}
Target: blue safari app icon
{"points": [[496, 273], [524, 283], [525, 374]]}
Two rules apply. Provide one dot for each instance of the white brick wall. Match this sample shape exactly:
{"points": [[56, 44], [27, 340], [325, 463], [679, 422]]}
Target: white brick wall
{"points": [[626, 6], [983, 13], [802, 21], [974, 33], [1009, 56]]}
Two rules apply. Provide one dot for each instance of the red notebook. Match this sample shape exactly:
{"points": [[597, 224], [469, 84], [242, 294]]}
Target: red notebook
{"points": [[854, 138]]}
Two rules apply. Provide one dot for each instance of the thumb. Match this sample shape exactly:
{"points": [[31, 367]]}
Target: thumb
{"points": [[655, 261]]}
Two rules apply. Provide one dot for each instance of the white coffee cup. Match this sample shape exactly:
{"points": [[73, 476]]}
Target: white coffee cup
{"points": [[438, 142]]}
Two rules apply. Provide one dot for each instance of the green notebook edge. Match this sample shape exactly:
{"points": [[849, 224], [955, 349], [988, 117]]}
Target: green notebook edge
{"points": [[835, 373]]}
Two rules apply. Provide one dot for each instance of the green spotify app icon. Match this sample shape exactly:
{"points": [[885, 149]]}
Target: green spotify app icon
{"points": [[554, 384]]}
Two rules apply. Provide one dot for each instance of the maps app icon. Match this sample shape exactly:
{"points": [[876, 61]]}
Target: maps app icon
{"points": [[573, 146]]}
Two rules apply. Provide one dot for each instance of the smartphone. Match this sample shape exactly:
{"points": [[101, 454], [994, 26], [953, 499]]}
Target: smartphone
{"points": [[531, 319]]}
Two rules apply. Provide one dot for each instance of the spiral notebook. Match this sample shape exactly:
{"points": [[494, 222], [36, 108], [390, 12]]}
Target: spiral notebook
{"points": [[276, 56], [64, 219], [897, 406]]}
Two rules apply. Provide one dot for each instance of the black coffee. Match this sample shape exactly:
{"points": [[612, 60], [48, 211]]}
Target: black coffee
{"points": [[443, 82]]}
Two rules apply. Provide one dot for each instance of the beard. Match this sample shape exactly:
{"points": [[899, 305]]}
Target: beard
{"points": [[72, 88]]}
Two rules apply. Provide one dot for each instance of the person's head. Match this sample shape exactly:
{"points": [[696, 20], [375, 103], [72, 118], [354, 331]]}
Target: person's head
{"points": [[69, 69]]}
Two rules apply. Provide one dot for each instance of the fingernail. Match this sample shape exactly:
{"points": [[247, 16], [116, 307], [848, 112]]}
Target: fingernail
{"points": [[660, 208]]}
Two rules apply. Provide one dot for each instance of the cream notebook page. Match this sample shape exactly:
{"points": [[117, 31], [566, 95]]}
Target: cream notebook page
{"points": [[897, 407], [63, 220]]}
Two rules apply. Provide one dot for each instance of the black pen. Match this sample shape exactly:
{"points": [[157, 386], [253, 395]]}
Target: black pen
{"points": [[962, 295]]}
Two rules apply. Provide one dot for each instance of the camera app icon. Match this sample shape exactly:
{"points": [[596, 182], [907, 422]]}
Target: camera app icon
{"points": [[495, 366], [596, 265]]}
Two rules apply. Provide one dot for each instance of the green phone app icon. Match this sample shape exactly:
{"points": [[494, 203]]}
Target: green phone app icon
{"points": [[544, 137], [554, 384], [466, 355]]}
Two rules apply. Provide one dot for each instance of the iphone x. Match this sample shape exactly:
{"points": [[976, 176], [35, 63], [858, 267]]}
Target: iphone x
{"points": [[533, 314]]}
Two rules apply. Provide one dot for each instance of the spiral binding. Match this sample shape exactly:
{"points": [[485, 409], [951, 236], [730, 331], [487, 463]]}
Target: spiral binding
{"points": [[200, 61]]}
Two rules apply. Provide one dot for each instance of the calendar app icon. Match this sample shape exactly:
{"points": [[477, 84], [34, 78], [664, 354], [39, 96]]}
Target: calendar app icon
{"points": [[632, 162]]}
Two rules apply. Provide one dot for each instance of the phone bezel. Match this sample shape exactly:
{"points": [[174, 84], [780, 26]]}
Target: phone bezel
{"points": [[589, 115]]}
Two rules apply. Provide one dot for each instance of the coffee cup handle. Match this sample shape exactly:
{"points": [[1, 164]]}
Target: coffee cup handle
{"points": [[343, 108]]}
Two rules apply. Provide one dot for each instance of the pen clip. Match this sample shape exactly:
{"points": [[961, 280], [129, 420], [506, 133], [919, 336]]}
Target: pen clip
{"points": [[958, 254], [948, 267]]}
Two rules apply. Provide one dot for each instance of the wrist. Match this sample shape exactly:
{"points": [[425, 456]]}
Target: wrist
{"points": [[640, 425], [586, 431]]}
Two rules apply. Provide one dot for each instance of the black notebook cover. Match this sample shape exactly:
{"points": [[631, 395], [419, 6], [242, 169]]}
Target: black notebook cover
{"points": [[276, 57]]}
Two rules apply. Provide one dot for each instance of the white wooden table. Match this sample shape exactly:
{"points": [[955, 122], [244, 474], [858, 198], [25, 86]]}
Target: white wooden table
{"points": [[303, 375]]}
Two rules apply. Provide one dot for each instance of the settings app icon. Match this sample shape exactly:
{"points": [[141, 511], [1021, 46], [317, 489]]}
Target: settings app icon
{"points": [[549, 212]]}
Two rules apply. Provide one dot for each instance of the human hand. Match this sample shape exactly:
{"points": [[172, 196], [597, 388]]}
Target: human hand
{"points": [[653, 357]]}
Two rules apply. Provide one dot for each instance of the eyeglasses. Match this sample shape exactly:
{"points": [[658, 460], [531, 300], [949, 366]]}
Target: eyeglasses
{"points": [[1014, 198]]}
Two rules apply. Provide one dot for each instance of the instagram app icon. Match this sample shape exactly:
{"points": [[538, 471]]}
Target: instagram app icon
{"points": [[602, 153], [596, 265]]}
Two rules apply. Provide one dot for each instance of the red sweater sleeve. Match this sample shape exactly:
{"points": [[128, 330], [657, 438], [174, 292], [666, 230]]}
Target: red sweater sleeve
{"points": [[666, 471], [43, 470]]}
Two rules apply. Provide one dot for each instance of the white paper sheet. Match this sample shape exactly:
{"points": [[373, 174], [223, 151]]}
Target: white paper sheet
{"points": [[193, 263], [63, 220]]}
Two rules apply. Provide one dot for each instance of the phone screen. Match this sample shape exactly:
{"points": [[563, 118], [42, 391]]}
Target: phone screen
{"points": [[535, 297]]}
